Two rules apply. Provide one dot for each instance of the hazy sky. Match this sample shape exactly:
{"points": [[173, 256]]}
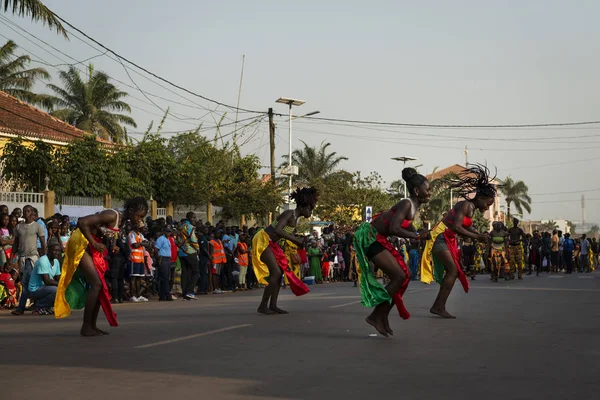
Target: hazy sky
{"points": [[434, 62]]}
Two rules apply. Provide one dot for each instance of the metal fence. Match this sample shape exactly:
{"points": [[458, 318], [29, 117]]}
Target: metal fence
{"points": [[82, 201]]}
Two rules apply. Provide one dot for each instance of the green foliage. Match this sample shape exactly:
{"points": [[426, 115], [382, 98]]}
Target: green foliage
{"points": [[18, 80], [37, 11], [26, 167], [344, 199], [94, 105], [515, 192], [480, 222]]}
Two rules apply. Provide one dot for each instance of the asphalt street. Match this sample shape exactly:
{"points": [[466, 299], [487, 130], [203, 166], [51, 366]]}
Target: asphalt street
{"points": [[530, 339]]}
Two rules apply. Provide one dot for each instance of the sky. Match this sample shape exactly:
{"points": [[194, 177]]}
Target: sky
{"points": [[435, 62]]}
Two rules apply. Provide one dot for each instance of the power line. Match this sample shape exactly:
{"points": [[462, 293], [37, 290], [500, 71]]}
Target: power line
{"points": [[524, 139], [570, 192], [450, 125], [151, 73], [393, 140], [551, 165]]}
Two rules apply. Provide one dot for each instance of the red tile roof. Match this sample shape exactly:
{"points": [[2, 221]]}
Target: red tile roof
{"points": [[453, 169], [20, 118]]}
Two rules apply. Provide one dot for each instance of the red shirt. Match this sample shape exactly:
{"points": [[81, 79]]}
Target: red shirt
{"points": [[8, 280], [174, 249], [303, 256]]}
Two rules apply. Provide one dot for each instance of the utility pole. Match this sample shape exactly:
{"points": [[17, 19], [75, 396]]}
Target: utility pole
{"points": [[272, 143], [466, 157]]}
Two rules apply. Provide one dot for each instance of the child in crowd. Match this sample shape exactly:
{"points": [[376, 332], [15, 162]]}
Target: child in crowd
{"points": [[8, 290]]}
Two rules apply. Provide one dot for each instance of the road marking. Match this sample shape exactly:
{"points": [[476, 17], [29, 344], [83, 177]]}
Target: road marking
{"points": [[539, 289], [358, 301], [556, 276], [346, 304], [585, 277], [180, 339]]}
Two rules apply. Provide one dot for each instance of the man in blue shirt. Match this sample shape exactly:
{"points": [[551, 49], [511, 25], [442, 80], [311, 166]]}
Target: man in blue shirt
{"points": [[163, 245], [568, 247], [43, 282]]}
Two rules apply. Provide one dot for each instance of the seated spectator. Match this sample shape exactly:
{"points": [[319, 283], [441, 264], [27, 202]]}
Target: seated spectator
{"points": [[44, 278], [8, 289]]}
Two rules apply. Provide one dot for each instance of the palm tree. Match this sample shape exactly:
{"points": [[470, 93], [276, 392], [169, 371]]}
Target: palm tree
{"points": [[90, 105], [594, 230], [37, 11], [315, 165], [17, 80], [515, 192], [396, 190], [549, 226]]}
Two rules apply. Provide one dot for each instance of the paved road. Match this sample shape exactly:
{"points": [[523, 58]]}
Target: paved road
{"points": [[531, 339]]}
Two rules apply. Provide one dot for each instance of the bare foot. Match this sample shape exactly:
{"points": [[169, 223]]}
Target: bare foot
{"points": [[386, 324], [442, 313], [101, 332], [278, 310], [85, 331], [265, 310], [377, 324]]}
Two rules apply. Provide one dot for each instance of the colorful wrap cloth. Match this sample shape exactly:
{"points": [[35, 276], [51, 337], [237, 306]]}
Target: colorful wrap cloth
{"points": [[431, 267], [372, 292], [260, 242], [498, 260], [515, 257], [72, 289]]}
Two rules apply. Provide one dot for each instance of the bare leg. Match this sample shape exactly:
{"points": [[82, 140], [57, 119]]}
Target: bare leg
{"points": [[439, 306], [388, 264], [92, 304], [272, 290]]}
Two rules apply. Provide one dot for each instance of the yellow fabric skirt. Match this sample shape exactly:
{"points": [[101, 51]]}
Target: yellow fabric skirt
{"points": [[260, 242], [73, 254], [427, 259]]}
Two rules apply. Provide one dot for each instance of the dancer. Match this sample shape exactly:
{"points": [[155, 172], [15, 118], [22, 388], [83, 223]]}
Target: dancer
{"points": [[469, 251], [85, 256], [268, 259], [371, 245], [515, 250], [442, 247], [497, 243]]}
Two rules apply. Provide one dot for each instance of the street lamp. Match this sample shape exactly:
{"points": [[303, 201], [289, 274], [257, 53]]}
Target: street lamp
{"points": [[404, 159], [290, 171]]}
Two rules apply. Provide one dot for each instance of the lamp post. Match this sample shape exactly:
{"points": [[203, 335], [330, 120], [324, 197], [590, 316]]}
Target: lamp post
{"points": [[404, 159], [290, 171]]}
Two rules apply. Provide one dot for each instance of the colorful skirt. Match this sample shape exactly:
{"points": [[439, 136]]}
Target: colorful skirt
{"points": [[371, 291], [431, 267], [72, 289], [260, 243]]}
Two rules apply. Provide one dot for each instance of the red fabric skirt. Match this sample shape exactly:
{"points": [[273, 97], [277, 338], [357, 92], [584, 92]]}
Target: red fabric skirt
{"points": [[450, 237], [298, 287], [397, 298], [104, 297]]}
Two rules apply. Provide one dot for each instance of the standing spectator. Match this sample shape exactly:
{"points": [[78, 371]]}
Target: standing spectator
{"points": [[314, 257], [138, 269], [227, 280], [7, 240], [44, 279], [26, 236], [64, 235], [203, 258], [188, 256], [568, 247], [163, 245], [584, 262], [218, 259], [554, 251], [39, 243], [170, 223], [561, 250], [18, 214], [174, 257], [119, 255], [242, 257]]}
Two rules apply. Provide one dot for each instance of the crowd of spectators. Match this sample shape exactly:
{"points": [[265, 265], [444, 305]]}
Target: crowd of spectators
{"points": [[162, 259]]}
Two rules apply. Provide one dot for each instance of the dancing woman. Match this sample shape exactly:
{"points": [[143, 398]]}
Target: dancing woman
{"points": [[268, 258], [474, 186], [85, 257], [371, 245]]}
